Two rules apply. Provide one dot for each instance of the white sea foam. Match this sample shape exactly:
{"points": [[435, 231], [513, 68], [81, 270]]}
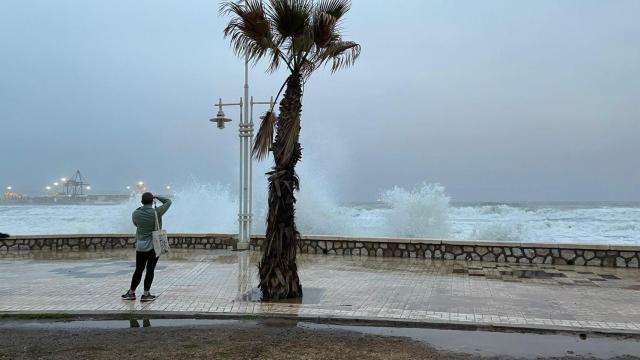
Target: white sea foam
{"points": [[423, 211]]}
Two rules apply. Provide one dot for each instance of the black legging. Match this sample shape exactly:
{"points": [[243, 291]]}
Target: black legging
{"points": [[149, 259]]}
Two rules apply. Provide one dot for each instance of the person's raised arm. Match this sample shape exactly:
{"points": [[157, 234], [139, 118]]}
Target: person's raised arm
{"points": [[166, 203]]}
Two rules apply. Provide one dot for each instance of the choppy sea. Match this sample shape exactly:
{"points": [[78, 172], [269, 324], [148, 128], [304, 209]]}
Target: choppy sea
{"points": [[422, 212]]}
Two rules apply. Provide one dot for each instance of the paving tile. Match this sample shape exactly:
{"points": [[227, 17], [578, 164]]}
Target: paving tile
{"points": [[221, 281]]}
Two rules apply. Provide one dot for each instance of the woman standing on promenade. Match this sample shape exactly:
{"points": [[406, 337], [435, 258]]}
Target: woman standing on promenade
{"points": [[144, 218]]}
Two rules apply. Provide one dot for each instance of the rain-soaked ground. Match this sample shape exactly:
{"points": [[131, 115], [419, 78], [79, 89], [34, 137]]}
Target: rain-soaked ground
{"points": [[271, 339], [349, 287], [423, 296]]}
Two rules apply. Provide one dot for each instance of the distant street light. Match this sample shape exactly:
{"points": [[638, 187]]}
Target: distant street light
{"points": [[128, 187], [64, 180], [55, 184], [9, 188], [48, 188], [88, 187], [168, 187]]}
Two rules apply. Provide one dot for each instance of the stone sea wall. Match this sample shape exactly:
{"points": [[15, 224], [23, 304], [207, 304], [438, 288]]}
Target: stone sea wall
{"points": [[511, 252], [111, 241]]}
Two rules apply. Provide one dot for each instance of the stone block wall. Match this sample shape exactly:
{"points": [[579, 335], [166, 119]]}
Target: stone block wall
{"points": [[111, 241], [508, 252]]}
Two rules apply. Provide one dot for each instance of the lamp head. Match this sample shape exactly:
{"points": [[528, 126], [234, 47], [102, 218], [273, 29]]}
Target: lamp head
{"points": [[220, 119]]}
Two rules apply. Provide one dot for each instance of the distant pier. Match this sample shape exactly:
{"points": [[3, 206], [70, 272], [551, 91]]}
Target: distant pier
{"points": [[66, 200]]}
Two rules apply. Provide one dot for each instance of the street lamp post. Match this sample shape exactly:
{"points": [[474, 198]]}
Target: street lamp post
{"points": [[245, 210]]}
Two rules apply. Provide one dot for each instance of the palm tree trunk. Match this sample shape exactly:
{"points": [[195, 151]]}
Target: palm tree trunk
{"points": [[277, 269]]}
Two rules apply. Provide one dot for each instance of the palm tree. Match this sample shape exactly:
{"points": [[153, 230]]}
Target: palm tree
{"points": [[302, 35]]}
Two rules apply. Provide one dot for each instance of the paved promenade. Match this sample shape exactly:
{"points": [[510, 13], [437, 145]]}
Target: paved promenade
{"points": [[386, 289]]}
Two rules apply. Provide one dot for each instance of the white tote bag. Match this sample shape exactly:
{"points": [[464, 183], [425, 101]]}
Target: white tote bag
{"points": [[160, 239]]}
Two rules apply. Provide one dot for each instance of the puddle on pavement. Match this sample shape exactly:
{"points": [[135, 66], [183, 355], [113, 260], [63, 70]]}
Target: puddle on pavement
{"points": [[518, 345], [532, 274]]}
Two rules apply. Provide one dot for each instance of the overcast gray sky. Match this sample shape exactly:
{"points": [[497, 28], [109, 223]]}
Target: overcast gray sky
{"points": [[495, 100]]}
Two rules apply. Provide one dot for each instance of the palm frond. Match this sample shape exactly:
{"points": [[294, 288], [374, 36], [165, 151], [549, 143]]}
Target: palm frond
{"points": [[335, 8], [249, 28], [341, 54], [291, 136], [307, 68], [302, 44], [274, 60], [264, 137], [291, 18], [324, 26]]}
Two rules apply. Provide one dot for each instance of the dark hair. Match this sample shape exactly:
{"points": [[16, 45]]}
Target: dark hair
{"points": [[147, 198]]}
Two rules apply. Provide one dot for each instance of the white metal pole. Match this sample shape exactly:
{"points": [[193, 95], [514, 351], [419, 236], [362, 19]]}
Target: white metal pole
{"points": [[244, 216], [241, 184], [250, 209], [247, 155]]}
